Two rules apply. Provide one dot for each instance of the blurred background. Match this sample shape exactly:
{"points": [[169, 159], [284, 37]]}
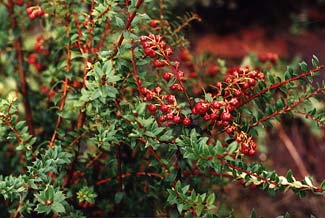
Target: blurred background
{"points": [[293, 29]]}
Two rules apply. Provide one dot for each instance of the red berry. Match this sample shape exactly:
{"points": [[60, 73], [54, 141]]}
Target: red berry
{"points": [[252, 82], [158, 38], [185, 55], [228, 79], [162, 118], [219, 85], [153, 23], [45, 52], [252, 152], [38, 67], [169, 51], [170, 116], [177, 119], [143, 90], [149, 96], [32, 58], [167, 76], [194, 111], [32, 16], [213, 116], [234, 101], [253, 73], [146, 44], [158, 64], [213, 70], [164, 108], [29, 10], [261, 76], [75, 174], [201, 107], [171, 99], [152, 108], [157, 89], [216, 105], [226, 116], [150, 52], [39, 12], [179, 74], [207, 117], [229, 130], [237, 92], [143, 38], [187, 121], [246, 85]]}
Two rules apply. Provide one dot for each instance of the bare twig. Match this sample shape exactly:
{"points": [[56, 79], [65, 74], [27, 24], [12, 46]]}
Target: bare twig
{"points": [[292, 150]]}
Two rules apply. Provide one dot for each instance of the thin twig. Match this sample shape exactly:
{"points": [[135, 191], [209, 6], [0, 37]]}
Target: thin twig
{"points": [[22, 76], [59, 120], [292, 150], [127, 27]]}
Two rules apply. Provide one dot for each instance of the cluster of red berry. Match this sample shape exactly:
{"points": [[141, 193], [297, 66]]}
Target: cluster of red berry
{"points": [[230, 94], [153, 46], [220, 110], [39, 47], [170, 111], [34, 12], [76, 175], [272, 57], [46, 91]]}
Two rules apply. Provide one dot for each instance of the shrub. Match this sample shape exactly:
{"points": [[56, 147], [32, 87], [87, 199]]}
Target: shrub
{"points": [[105, 112]]}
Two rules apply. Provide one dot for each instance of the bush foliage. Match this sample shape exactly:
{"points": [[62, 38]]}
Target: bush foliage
{"points": [[104, 111]]}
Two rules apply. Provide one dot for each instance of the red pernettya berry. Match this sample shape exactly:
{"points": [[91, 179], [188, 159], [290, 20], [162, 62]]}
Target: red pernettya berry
{"points": [[187, 121], [167, 76], [226, 116]]}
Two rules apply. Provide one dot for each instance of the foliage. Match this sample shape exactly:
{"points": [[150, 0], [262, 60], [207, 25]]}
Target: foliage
{"points": [[105, 112]]}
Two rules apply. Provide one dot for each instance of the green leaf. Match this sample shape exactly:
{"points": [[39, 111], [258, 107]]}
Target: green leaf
{"points": [[59, 196], [280, 103], [57, 207], [289, 176], [180, 208], [303, 66], [49, 193], [322, 186], [211, 199], [119, 197], [42, 208], [315, 61], [199, 209], [232, 146], [253, 214], [287, 75], [185, 189]]}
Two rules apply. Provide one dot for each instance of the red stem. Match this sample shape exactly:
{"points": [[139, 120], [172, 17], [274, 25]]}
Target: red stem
{"points": [[136, 76], [127, 27], [59, 120], [158, 158], [141, 173], [107, 27], [119, 167], [179, 80], [22, 76], [75, 15], [279, 84], [287, 108]]}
